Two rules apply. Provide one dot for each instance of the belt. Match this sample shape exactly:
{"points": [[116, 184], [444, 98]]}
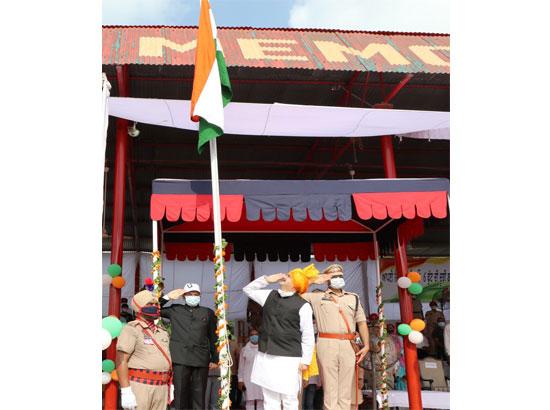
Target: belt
{"points": [[340, 336], [151, 377]]}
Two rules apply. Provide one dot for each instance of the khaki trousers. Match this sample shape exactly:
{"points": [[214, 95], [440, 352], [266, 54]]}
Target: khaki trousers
{"points": [[337, 364], [150, 397]]}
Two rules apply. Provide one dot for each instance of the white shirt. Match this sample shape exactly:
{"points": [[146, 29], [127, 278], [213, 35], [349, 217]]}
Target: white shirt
{"points": [[281, 374], [246, 361]]}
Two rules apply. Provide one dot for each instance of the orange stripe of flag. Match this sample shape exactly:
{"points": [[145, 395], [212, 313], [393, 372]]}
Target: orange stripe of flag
{"points": [[205, 54]]}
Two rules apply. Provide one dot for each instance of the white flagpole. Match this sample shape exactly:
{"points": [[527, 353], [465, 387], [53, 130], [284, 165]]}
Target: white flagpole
{"points": [[225, 360], [215, 194]]}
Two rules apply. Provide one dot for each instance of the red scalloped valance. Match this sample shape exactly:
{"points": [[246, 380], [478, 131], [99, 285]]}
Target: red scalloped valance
{"points": [[343, 251], [401, 204], [190, 207], [193, 250]]}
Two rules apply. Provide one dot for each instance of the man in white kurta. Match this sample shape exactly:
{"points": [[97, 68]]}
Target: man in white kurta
{"points": [[280, 375], [254, 395]]}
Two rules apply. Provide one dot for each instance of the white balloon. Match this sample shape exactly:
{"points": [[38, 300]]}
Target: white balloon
{"points": [[106, 279], [105, 339], [404, 282], [105, 377], [416, 337]]}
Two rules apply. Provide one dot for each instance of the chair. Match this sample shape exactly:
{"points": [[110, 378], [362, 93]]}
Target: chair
{"points": [[432, 374]]}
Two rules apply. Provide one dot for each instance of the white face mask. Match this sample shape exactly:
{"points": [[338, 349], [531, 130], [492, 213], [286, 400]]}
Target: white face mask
{"points": [[337, 283], [285, 293], [441, 324], [193, 300]]}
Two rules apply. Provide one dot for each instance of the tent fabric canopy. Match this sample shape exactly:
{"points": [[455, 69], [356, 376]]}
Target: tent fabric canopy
{"points": [[299, 200], [260, 226], [328, 251], [289, 120], [193, 251], [344, 251]]}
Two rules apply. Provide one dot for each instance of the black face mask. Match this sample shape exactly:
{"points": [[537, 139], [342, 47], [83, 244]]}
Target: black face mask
{"points": [[150, 312]]}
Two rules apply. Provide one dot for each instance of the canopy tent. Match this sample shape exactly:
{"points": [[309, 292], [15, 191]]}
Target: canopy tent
{"points": [[301, 200], [290, 120]]}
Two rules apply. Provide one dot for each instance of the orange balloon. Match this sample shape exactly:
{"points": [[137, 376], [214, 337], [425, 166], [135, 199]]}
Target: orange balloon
{"points": [[114, 376], [418, 325], [414, 276], [118, 282]]}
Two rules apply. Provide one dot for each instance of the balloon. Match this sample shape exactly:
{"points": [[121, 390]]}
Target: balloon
{"points": [[112, 324], [403, 282], [416, 337], [414, 276], [404, 329], [118, 282], [108, 366], [105, 377], [114, 376], [106, 339], [106, 279], [148, 281], [114, 270], [418, 325], [415, 289]]}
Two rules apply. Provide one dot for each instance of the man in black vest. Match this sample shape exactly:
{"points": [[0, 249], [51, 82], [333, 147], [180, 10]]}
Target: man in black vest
{"points": [[286, 341], [192, 346]]}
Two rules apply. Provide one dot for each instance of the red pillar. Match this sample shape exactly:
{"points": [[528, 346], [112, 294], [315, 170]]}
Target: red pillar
{"points": [[119, 194], [406, 309], [405, 301]]}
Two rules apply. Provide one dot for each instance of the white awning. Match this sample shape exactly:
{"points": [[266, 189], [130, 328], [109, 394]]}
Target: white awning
{"points": [[286, 120]]}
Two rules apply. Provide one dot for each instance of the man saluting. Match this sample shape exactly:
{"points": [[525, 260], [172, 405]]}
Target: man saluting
{"points": [[338, 314], [192, 345], [286, 338]]}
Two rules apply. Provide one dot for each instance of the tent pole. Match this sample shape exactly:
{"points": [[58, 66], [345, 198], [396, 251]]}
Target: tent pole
{"points": [[405, 300], [117, 243]]}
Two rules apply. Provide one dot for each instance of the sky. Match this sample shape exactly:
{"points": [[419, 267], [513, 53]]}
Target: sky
{"points": [[383, 15]]}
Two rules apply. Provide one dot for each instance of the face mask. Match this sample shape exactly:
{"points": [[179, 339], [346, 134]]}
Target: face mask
{"points": [[286, 293], [150, 312], [254, 339], [337, 283], [193, 300], [441, 324]]}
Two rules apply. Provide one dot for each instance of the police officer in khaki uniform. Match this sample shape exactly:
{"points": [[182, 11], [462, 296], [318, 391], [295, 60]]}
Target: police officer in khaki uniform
{"points": [[336, 356], [143, 358]]}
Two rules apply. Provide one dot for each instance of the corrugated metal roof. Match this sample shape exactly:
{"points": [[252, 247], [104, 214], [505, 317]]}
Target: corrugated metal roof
{"points": [[283, 48]]}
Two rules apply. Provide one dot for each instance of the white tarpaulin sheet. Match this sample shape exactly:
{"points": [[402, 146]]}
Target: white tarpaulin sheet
{"points": [[290, 120]]}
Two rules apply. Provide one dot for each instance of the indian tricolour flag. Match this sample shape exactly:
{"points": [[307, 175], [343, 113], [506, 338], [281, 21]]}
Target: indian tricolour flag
{"points": [[211, 87]]}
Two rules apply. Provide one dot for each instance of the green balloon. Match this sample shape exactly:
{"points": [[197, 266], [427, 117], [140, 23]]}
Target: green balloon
{"points": [[404, 329], [114, 270], [107, 365], [415, 289], [112, 325]]}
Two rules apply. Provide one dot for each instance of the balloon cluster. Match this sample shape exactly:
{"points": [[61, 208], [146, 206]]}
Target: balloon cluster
{"points": [[111, 328], [149, 285], [410, 282], [113, 276], [412, 330]]}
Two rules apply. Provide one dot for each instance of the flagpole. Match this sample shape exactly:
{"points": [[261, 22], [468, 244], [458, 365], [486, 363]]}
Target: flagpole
{"points": [[225, 360]]}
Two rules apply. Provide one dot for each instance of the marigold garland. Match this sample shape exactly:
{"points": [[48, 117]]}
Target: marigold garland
{"points": [[382, 335], [222, 344]]}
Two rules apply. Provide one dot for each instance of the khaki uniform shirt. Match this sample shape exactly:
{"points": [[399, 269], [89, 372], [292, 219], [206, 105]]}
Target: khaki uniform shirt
{"points": [[144, 354], [327, 312]]}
